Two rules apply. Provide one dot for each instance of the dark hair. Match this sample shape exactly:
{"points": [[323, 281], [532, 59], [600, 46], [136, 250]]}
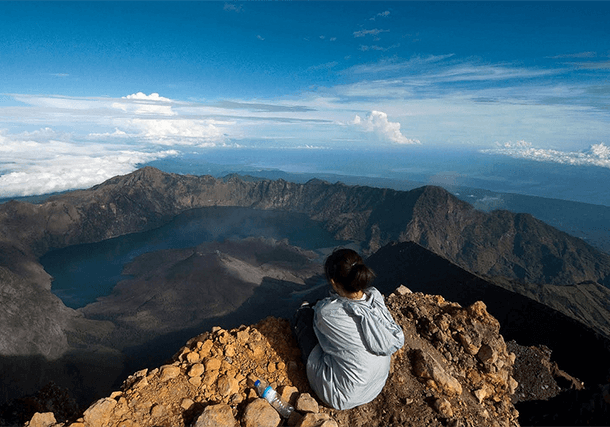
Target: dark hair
{"points": [[346, 268]]}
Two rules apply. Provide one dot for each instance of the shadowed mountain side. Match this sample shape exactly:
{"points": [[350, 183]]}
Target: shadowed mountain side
{"points": [[174, 290], [586, 302], [577, 349]]}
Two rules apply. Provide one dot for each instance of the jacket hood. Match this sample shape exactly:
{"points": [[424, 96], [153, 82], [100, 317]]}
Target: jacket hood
{"points": [[381, 335]]}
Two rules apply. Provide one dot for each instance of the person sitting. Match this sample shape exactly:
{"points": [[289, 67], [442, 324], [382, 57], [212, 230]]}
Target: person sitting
{"points": [[348, 358]]}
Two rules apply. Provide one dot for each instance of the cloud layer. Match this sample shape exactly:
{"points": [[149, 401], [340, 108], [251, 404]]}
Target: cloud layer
{"points": [[39, 162], [596, 155]]}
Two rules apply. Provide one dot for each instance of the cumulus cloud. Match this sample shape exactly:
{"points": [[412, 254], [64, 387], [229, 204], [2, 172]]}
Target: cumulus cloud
{"points": [[378, 123], [596, 155], [142, 104], [31, 165]]}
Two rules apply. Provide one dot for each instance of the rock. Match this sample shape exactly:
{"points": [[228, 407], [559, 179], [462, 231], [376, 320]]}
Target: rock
{"points": [[259, 413], [313, 420], [425, 366], [227, 386], [45, 419], [210, 377], [443, 407], [186, 404], [487, 355], [212, 364], [480, 394], [220, 415], [512, 385], [192, 357], [229, 351], [168, 372], [403, 290], [289, 394], [206, 346], [99, 414], [306, 403], [158, 411], [470, 347], [196, 370]]}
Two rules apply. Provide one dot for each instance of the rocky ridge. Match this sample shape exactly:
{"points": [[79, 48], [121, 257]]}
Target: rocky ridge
{"points": [[516, 246], [454, 370]]}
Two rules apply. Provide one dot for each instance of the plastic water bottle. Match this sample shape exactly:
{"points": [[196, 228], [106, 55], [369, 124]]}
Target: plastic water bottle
{"points": [[270, 395]]}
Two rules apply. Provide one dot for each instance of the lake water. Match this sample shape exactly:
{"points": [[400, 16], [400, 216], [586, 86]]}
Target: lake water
{"points": [[83, 273]]}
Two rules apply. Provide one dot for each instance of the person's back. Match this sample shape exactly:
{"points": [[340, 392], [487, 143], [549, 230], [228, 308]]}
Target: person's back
{"points": [[356, 336]]}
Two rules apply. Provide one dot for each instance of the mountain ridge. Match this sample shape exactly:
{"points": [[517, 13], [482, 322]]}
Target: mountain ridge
{"points": [[147, 198]]}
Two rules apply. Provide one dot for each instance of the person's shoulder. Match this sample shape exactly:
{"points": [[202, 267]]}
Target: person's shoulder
{"points": [[329, 306], [373, 292]]}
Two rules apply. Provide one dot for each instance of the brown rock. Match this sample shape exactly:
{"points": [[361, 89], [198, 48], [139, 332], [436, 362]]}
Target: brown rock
{"points": [[403, 290], [192, 357], [206, 346], [158, 411], [45, 419], [289, 394], [196, 381], [227, 385], [212, 364], [99, 414], [243, 336], [313, 420], [229, 351], [259, 413], [196, 370], [443, 407], [425, 366], [210, 377], [220, 415], [186, 404], [486, 354], [168, 372], [470, 347], [306, 403]]}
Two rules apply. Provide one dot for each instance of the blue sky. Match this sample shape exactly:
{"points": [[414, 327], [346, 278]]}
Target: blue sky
{"points": [[89, 90]]}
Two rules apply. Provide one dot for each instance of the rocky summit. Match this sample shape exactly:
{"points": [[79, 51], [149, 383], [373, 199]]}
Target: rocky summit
{"points": [[454, 370]]}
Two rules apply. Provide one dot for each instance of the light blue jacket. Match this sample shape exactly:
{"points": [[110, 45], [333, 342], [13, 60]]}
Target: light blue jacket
{"points": [[351, 363]]}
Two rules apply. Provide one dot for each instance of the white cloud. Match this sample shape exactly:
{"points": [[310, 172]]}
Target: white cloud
{"points": [[178, 131], [37, 166], [233, 7], [373, 32], [378, 123], [596, 155], [143, 104], [326, 66], [381, 15], [366, 48]]}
